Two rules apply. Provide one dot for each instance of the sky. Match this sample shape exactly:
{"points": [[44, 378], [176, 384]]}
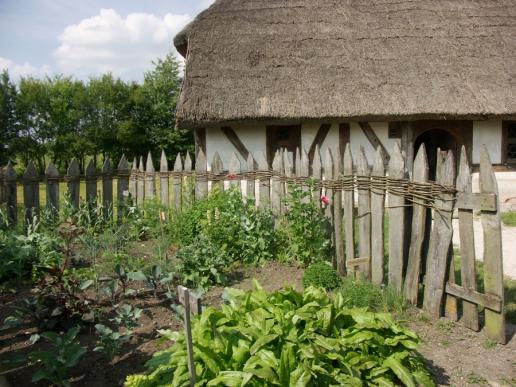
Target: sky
{"points": [[88, 38]]}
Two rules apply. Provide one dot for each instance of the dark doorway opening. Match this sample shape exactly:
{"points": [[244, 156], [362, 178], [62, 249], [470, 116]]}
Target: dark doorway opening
{"points": [[436, 139]]}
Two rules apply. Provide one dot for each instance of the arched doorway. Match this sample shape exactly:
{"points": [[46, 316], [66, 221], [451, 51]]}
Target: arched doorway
{"points": [[435, 139]]}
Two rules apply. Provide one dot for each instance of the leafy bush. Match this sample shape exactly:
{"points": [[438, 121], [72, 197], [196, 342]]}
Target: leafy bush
{"points": [[305, 229], [321, 275], [110, 342], [287, 338], [202, 264]]}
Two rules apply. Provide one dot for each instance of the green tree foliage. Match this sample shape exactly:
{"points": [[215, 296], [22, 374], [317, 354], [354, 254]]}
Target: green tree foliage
{"points": [[59, 117]]}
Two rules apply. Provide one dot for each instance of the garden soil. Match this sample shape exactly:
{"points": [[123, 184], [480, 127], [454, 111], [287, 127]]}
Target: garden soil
{"points": [[455, 355]]}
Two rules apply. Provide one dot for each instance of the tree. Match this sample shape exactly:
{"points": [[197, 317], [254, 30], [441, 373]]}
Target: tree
{"points": [[8, 95]]}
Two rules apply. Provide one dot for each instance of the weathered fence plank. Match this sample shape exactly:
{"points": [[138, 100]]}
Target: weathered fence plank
{"points": [[250, 183], [150, 178], [201, 181], [107, 188], [328, 192], [140, 183], [188, 187], [349, 207], [420, 174], [74, 184], [91, 183], [397, 213], [340, 259], [467, 244], [163, 179], [264, 182], [177, 182], [234, 168], [31, 191], [303, 169], [277, 184], [52, 188], [364, 208], [217, 168], [493, 263], [122, 186], [133, 190], [11, 194], [377, 218], [440, 238], [317, 173]]}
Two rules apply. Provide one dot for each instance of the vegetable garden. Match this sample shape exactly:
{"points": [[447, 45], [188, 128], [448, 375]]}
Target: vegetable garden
{"points": [[88, 298]]}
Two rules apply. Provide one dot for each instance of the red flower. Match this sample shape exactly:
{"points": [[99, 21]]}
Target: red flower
{"points": [[325, 199], [231, 176]]}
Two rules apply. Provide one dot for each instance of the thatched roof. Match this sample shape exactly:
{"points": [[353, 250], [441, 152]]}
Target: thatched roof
{"points": [[355, 59]]}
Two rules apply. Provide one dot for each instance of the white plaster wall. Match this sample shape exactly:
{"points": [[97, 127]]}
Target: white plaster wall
{"points": [[358, 139], [309, 131], [489, 133]]}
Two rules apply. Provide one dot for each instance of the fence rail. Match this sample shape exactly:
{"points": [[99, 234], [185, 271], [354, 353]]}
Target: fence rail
{"points": [[359, 197]]}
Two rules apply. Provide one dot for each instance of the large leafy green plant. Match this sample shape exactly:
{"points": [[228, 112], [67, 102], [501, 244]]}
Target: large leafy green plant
{"points": [[289, 338]]}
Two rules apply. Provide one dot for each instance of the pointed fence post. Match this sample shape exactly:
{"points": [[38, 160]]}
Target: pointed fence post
{"points": [[74, 183], [317, 174], [11, 194], [122, 187], [150, 178], [177, 182], [249, 167], [201, 179], [467, 244], [419, 175], [277, 184], [133, 181], [437, 261], [364, 209], [377, 217], [288, 168], [107, 189], [163, 180], [188, 187], [328, 192], [52, 189], [264, 181], [397, 213], [493, 255], [349, 204], [91, 184], [234, 169], [31, 191], [217, 168], [140, 183], [303, 170], [340, 259]]}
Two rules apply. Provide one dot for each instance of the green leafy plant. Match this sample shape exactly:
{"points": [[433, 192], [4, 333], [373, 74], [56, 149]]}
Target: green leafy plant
{"points": [[288, 338], [110, 342], [55, 364], [127, 316], [321, 275], [304, 228]]}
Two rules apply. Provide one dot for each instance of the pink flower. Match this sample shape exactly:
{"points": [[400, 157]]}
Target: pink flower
{"points": [[231, 176], [325, 199]]}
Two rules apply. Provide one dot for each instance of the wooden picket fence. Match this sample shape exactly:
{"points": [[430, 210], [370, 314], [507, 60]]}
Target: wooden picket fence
{"points": [[419, 253]]}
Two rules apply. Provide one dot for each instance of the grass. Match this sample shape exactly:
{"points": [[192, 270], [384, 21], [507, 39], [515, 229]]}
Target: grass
{"points": [[509, 286], [509, 218]]}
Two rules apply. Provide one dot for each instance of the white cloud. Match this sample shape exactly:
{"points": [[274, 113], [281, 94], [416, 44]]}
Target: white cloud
{"points": [[124, 46], [16, 71]]}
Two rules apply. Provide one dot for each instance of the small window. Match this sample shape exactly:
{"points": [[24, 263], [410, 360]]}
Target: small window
{"points": [[282, 136], [510, 142]]}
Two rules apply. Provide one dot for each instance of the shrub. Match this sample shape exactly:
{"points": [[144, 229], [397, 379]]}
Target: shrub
{"points": [[289, 338], [321, 275], [305, 228]]}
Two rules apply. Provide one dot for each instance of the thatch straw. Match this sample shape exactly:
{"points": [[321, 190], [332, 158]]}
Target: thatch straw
{"points": [[355, 59]]}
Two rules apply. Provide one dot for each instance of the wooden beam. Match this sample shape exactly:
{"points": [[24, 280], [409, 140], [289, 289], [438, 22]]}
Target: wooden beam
{"points": [[200, 140], [237, 143], [344, 136], [373, 138], [476, 201], [318, 140], [489, 301]]}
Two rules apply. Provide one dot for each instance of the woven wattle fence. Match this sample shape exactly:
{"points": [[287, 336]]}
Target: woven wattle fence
{"points": [[362, 194]]}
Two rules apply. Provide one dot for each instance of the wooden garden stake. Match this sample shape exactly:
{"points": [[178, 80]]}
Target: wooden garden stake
{"points": [[192, 304]]}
